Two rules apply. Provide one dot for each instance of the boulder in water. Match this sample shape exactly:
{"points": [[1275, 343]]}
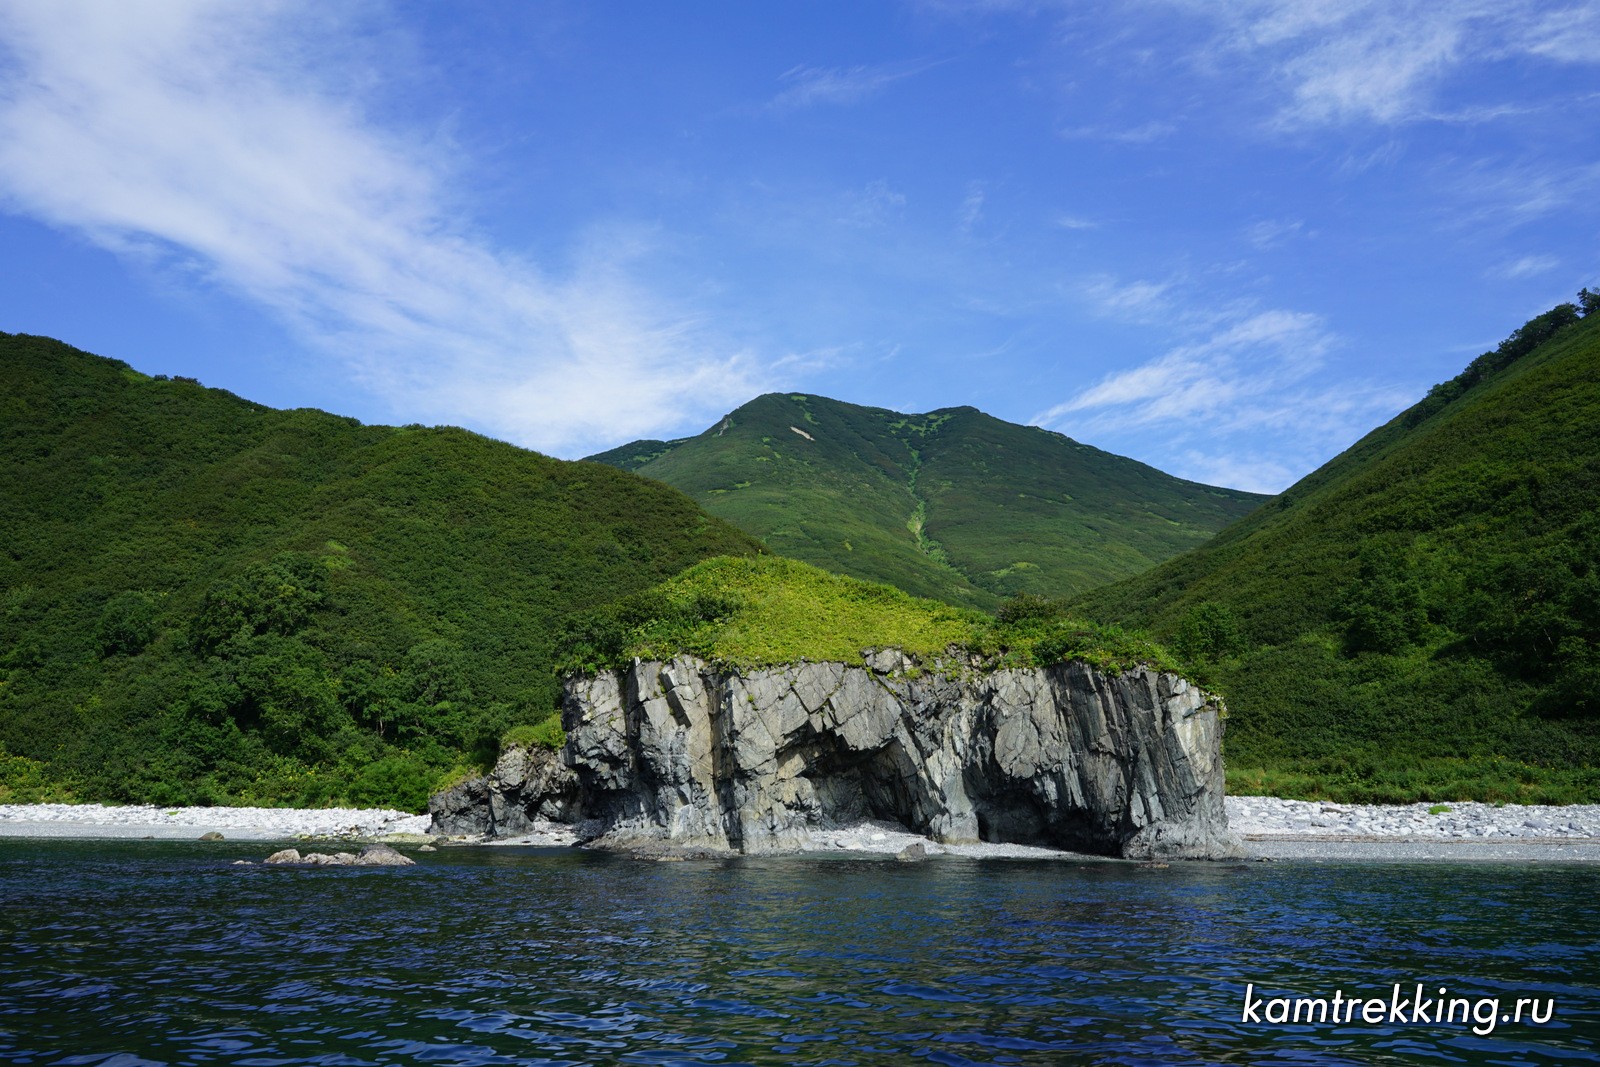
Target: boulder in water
{"points": [[371, 856]]}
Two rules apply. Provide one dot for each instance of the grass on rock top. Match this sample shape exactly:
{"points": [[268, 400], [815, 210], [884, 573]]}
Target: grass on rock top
{"points": [[767, 610], [773, 610]]}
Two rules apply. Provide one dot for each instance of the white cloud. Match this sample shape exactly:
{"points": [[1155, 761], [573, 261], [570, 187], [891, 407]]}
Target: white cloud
{"points": [[1385, 60], [205, 135], [809, 86], [1253, 474], [1206, 407]]}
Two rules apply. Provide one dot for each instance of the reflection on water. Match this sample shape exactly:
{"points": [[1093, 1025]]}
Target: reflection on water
{"points": [[148, 952]]}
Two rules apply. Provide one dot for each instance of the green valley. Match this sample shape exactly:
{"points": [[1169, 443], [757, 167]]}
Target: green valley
{"points": [[953, 504]]}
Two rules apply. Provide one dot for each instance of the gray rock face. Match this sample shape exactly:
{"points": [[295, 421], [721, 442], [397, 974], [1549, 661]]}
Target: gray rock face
{"points": [[702, 758], [527, 784]]}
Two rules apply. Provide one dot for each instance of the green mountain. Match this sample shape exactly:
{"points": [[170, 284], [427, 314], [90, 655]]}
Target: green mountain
{"points": [[955, 504], [1420, 618], [207, 600]]}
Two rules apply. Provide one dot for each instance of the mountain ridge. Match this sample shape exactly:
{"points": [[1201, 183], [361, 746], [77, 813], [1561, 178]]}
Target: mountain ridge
{"points": [[952, 503]]}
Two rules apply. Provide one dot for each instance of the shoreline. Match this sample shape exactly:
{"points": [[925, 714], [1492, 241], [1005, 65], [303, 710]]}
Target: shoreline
{"points": [[1270, 829], [137, 821]]}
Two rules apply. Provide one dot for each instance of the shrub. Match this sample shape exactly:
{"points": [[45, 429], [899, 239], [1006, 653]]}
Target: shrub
{"points": [[544, 734], [127, 624], [1209, 631], [399, 781]]}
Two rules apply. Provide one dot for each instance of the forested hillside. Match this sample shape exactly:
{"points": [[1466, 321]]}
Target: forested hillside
{"points": [[954, 504], [1420, 618], [206, 600]]}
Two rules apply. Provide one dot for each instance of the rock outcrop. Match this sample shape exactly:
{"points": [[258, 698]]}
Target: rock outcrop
{"points": [[528, 786], [701, 758]]}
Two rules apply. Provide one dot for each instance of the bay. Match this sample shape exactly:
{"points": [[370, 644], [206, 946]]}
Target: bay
{"points": [[122, 953]]}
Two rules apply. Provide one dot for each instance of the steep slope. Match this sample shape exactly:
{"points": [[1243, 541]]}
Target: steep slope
{"points": [[206, 599], [1421, 616], [954, 504]]}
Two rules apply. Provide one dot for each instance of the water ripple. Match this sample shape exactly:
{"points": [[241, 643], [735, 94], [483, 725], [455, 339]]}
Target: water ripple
{"points": [[126, 954]]}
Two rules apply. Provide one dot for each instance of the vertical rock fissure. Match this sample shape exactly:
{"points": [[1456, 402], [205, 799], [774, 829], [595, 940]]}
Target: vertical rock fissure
{"points": [[719, 699]]}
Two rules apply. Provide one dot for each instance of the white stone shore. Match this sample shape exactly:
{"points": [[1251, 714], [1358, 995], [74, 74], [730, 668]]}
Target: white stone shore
{"points": [[1270, 817], [1270, 827], [235, 824]]}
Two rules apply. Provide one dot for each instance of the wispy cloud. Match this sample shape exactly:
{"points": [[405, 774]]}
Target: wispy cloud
{"points": [[1502, 196], [1271, 233], [810, 86], [1569, 33], [1143, 133], [1073, 222], [1125, 300], [1255, 356], [971, 210], [1384, 61], [199, 134], [873, 206], [1204, 406], [1526, 267]]}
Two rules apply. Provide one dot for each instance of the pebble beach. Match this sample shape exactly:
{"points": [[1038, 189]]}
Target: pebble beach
{"points": [[1270, 828], [240, 824], [1512, 833]]}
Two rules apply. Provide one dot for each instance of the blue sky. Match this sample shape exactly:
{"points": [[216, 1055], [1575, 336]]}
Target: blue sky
{"points": [[1225, 237]]}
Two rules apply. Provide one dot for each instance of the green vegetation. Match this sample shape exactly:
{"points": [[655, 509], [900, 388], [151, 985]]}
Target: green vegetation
{"points": [[954, 505], [763, 611], [203, 600], [25, 781], [1420, 618], [545, 734], [751, 612]]}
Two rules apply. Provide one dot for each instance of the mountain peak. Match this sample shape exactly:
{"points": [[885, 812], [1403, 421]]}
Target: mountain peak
{"points": [[952, 503]]}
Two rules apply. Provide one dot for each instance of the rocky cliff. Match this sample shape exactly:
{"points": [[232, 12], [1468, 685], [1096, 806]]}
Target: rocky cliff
{"points": [[527, 787], [698, 757]]}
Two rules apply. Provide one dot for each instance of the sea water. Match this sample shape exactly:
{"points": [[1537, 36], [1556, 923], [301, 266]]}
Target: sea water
{"points": [[122, 953]]}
